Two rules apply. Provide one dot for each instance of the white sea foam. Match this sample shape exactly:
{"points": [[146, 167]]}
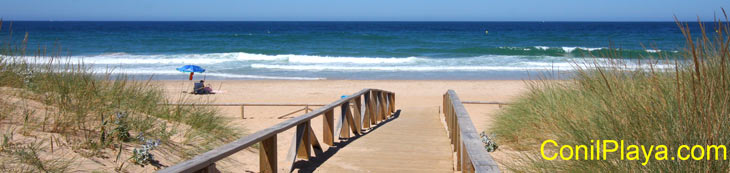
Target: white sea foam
{"points": [[260, 66], [542, 47], [218, 58], [354, 60], [225, 75], [571, 49], [392, 68], [568, 49], [483, 63], [515, 48]]}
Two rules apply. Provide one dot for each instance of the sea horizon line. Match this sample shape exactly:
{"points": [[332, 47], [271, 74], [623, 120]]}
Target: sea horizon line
{"points": [[364, 21]]}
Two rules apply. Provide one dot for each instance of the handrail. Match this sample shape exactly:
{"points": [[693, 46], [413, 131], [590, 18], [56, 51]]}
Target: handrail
{"points": [[486, 103], [376, 105], [306, 108], [470, 153], [242, 104]]}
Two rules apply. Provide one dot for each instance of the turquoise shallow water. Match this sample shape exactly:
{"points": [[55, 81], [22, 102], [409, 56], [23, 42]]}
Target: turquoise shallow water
{"points": [[350, 50]]}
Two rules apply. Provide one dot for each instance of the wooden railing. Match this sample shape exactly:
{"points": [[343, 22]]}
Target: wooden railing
{"points": [[470, 153], [500, 104], [306, 106], [361, 110]]}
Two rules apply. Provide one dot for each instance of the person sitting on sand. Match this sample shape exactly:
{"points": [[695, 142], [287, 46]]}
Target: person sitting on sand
{"points": [[201, 88], [198, 87]]}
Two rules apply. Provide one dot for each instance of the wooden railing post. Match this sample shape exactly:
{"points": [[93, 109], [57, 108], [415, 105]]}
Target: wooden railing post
{"points": [[374, 113], [267, 155], [462, 158], [381, 100], [328, 128], [386, 100], [376, 103], [304, 148], [466, 161], [209, 169], [357, 114], [458, 146], [386, 115], [353, 118], [366, 111], [344, 125], [392, 102], [242, 111]]}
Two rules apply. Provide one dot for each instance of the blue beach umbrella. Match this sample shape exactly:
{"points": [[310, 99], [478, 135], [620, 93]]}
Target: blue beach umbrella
{"points": [[191, 69]]}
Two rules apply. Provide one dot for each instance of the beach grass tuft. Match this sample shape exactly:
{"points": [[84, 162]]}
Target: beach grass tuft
{"points": [[93, 112], [687, 103]]}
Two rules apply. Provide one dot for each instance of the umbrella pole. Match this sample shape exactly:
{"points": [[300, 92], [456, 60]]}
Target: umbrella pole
{"points": [[191, 75]]}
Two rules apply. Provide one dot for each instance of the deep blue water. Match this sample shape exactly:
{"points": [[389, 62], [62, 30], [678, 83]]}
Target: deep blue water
{"points": [[349, 50]]}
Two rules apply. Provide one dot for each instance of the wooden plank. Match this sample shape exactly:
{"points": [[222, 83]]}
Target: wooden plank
{"points": [[314, 142], [328, 127], [383, 106], [372, 108], [378, 106], [357, 115], [351, 121], [459, 150], [304, 148], [466, 161], [446, 116], [454, 128], [344, 125], [386, 103], [394, 108], [392, 103], [295, 145], [366, 112], [267, 155]]}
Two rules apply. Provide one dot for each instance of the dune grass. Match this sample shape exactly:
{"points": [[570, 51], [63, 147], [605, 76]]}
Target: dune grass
{"points": [[687, 104], [93, 111]]}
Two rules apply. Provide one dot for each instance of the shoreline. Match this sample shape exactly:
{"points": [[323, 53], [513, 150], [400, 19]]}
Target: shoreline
{"points": [[395, 76]]}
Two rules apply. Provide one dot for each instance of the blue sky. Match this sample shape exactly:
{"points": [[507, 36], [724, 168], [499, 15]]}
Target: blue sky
{"points": [[360, 10]]}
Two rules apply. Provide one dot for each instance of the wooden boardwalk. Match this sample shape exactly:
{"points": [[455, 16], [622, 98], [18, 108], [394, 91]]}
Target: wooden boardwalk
{"points": [[374, 137], [415, 141]]}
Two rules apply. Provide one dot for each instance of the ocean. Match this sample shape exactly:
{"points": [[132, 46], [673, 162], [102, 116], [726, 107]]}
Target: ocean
{"points": [[349, 50]]}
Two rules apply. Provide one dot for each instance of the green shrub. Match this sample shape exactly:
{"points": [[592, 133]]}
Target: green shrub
{"points": [[687, 104]]}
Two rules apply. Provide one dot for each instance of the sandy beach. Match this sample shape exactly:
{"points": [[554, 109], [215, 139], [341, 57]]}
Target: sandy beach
{"points": [[425, 94]]}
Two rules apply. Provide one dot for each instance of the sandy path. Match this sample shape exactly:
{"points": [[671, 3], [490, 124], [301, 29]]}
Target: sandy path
{"points": [[412, 141]]}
